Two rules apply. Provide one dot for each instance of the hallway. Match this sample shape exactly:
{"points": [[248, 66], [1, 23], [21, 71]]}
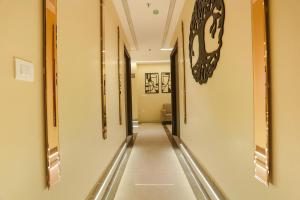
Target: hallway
{"points": [[76, 77], [153, 170]]}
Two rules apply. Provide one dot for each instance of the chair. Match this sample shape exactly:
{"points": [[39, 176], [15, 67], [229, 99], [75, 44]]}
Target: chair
{"points": [[166, 113]]}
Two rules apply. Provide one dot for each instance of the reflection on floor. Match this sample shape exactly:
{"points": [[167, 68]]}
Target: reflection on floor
{"points": [[153, 170]]}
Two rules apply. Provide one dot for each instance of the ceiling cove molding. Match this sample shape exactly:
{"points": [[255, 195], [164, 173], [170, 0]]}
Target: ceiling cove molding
{"points": [[130, 22], [168, 22]]}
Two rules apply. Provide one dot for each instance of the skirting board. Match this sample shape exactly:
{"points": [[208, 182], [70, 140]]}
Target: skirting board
{"points": [[210, 188], [101, 187], [135, 124]]}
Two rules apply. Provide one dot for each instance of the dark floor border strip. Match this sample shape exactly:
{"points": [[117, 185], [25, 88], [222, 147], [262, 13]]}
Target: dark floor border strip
{"points": [[103, 186], [209, 189]]}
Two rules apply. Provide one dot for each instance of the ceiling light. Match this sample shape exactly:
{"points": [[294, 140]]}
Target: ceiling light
{"points": [[166, 49], [156, 12], [151, 61]]}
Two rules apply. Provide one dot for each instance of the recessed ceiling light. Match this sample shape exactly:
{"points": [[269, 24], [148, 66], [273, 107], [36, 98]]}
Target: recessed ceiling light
{"points": [[156, 12], [166, 49]]}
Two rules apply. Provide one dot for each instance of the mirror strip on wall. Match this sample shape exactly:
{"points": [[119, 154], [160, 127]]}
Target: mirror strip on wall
{"points": [[102, 70], [184, 72], [261, 91], [51, 100], [119, 79]]}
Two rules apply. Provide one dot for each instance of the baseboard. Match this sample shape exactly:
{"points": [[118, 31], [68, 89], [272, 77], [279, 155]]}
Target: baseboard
{"points": [[100, 188], [135, 123], [210, 187], [166, 123]]}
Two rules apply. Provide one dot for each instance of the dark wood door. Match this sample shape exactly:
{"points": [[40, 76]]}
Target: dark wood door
{"points": [[128, 93], [175, 93]]}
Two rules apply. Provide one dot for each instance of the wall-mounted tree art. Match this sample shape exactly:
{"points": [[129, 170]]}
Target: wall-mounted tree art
{"points": [[205, 41], [151, 83], [166, 82]]}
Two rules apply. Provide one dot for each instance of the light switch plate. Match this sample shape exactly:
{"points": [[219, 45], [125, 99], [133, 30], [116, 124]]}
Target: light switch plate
{"points": [[24, 70]]}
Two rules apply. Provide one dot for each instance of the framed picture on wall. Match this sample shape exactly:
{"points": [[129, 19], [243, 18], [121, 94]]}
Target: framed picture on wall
{"points": [[165, 82], [151, 83]]}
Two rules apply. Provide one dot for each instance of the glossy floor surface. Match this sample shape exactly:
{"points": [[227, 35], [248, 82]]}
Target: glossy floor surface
{"points": [[153, 170]]}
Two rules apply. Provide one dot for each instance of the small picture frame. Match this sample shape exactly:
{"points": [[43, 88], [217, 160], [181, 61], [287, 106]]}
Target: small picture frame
{"points": [[151, 83], [166, 82]]}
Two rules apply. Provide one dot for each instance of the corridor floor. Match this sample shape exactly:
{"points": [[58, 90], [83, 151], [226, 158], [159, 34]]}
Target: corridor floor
{"points": [[153, 171]]}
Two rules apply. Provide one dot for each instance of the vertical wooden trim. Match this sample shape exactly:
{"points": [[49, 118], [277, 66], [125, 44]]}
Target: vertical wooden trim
{"points": [[184, 73], [54, 75], [269, 82], [119, 79], [102, 72]]}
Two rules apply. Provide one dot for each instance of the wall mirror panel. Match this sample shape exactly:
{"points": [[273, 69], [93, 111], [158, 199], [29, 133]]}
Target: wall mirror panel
{"points": [[51, 102], [261, 91]]}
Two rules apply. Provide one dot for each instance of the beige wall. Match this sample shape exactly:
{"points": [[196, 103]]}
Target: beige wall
{"points": [[149, 105], [84, 154], [134, 89], [219, 131]]}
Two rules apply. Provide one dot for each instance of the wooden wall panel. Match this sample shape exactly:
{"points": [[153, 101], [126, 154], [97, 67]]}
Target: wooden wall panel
{"points": [[261, 91], [51, 102]]}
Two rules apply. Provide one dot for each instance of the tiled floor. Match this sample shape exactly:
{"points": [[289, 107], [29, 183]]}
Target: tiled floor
{"points": [[153, 171]]}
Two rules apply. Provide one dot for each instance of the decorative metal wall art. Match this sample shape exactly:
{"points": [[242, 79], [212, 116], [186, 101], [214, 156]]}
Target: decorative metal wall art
{"points": [[204, 48], [166, 82], [151, 83], [261, 90], [102, 69], [51, 100]]}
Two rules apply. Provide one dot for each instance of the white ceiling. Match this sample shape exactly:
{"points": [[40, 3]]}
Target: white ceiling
{"points": [[148, 33]]}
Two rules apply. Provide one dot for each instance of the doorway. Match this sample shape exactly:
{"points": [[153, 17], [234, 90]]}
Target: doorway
{"points": [[175, 92], [128, 93]]}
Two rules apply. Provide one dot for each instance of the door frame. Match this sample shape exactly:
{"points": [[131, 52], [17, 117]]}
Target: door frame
{"points": [[128, 93], [175, 91]]}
